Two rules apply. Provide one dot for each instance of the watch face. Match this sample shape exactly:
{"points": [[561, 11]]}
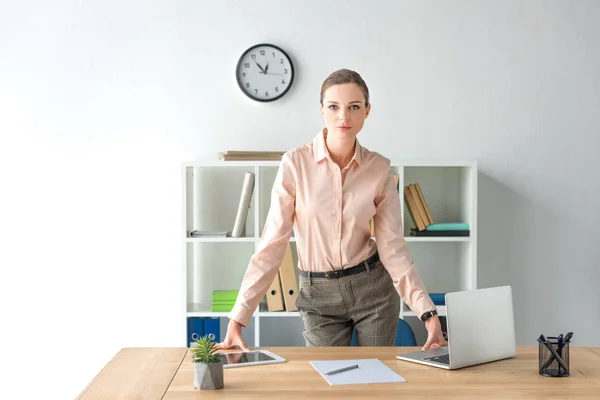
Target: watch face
{"points": [[265, 72]]}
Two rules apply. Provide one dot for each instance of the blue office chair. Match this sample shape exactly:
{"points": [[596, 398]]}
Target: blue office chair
{"points": [[404, 336]]}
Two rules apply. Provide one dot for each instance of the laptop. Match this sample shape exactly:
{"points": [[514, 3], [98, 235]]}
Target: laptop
{"points": [[480, 327]]}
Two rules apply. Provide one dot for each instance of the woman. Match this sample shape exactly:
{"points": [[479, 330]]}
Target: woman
{"points": [[328, 191]]}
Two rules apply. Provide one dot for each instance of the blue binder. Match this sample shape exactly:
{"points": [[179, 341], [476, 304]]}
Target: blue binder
{"points": [[195, 329], [201, 326], [212, 328]]}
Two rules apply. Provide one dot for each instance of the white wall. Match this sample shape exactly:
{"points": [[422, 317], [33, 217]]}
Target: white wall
{"points": [[100, 103]]}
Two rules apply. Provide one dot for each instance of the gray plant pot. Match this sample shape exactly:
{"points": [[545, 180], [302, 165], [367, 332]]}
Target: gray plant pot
{"points": [[208, 376]]}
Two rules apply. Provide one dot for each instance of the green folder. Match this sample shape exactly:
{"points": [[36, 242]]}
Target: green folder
{"points": [[222, 308], [225, 295], [223, 302], [448, 226]]}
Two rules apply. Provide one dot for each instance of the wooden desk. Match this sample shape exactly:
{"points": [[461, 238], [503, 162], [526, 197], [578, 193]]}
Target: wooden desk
{"points": [[168, 374]]}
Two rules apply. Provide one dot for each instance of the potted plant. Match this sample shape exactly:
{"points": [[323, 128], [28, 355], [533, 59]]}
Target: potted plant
{"points": [[208, 365]]}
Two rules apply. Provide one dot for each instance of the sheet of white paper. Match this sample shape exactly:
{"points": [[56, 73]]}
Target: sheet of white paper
{"points": [[370, 370]]}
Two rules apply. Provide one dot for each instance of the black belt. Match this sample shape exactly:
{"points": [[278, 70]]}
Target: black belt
{"points": [[357, 269]]}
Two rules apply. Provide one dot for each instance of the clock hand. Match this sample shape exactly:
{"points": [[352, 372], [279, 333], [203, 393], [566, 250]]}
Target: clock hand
{"points": [[266, 68], [261, 68]]}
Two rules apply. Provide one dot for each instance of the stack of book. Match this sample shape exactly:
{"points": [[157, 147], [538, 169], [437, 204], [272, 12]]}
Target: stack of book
{"points": [[250, 155], [199, 234], [443, 229], [423, 220], [223, 300]]}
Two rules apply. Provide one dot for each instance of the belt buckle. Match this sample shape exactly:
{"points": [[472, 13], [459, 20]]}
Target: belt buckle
{"points": [[331, 274]]}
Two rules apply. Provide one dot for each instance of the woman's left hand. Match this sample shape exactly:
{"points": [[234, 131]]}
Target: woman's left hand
{"points": [[435, 337]]}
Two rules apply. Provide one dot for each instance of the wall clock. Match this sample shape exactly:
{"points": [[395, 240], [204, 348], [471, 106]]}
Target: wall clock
{"points": [[265, 72]]}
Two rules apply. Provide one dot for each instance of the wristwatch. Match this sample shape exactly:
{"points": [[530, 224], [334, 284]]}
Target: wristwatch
{"points": [[428, 315]]}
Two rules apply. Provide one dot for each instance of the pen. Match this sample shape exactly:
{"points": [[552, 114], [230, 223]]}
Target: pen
{"points": [[559, 340], [335, 371]]}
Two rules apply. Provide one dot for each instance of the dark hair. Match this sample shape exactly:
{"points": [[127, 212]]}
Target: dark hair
{"points": [[342, 76]]}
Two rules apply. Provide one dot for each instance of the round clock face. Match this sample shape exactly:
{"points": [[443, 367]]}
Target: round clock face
{"points": [[265, 72]]}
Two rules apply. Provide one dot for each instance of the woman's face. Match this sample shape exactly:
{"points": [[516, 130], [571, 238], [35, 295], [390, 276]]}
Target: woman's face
{"points": [[344, 110]]}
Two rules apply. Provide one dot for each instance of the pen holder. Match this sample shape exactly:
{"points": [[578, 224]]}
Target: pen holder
{"points": [[554, 358]]}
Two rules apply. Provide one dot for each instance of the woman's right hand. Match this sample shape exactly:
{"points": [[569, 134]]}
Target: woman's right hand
{"points": [[233, 337]]}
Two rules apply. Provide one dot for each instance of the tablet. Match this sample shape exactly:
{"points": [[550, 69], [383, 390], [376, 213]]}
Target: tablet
{"points": [[248, 358]]}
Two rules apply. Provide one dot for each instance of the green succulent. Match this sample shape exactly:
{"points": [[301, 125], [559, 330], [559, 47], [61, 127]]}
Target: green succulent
{"points": [[204, 351]]}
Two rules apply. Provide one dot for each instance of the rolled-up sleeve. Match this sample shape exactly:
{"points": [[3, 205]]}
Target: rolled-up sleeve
{"points": [[265, 262], [393, 251]]}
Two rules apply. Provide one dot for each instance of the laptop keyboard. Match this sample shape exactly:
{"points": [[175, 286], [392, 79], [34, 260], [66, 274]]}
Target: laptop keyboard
{"points": [[443, 359]]}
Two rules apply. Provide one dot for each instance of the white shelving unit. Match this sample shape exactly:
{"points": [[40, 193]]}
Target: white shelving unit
{"points": [[211, 193]]}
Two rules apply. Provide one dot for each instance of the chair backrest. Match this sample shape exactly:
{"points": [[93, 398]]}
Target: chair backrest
{"points": [[404, 336]]}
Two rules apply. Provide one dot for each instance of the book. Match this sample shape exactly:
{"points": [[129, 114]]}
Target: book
{"points": [[412, 209], [448, 226], [239, 226], [419, 204], [426, 233], [423, 202], [199, 233]]}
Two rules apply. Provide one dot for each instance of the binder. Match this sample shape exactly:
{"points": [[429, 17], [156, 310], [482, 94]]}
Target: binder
{"points": [[212, 328], [289, 283], [203, 326], [195, 330], [274, 295]]}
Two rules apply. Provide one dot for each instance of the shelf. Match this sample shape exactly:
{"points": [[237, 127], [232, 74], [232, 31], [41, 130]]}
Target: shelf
{"points": [[449, 191], [278, 314], [219, 240], [229, 164], [202, 310], [437, 239], [199, 313], [434, 238], [207, 314], [275, 164], [226, 240], [211, 193], [211, 201]]}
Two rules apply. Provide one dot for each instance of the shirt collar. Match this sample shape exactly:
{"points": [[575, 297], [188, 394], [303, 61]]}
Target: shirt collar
{"points": [[321, 152]]}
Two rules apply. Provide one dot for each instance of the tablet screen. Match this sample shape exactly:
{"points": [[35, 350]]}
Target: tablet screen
{"points": [[244, 357]]}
